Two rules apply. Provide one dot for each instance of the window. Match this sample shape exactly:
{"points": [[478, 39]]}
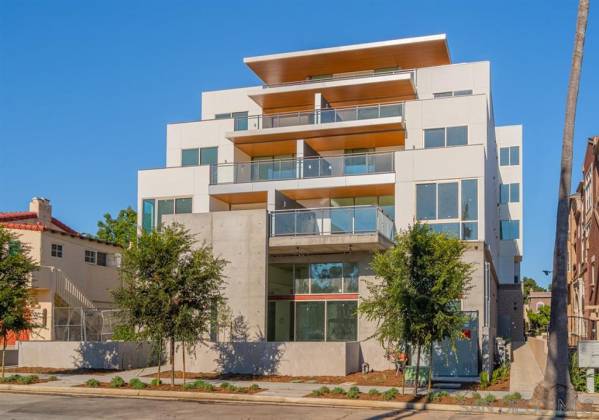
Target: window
{"points": [[469, 199], [280, 321], [509, 156], [509, 229], [426, 201], [208, 155], [102, 259], [509, 193], [464, 92], [342, 321], [90, 257], [223, 116], [448, 200], [189, 157], [310, 321], [56, 251], [182, 205], [442, 94], [152, 218], [315, 278], [148, 216], [445, 137]]}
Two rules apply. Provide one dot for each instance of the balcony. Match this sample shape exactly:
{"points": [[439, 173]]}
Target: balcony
{"points": [[318, 123], [330, 229], [303, 168]]}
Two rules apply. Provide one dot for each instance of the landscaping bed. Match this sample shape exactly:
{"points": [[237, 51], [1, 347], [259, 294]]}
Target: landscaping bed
{"points": [[439, 397], [17, 379], [156, 385], [60, 371]]}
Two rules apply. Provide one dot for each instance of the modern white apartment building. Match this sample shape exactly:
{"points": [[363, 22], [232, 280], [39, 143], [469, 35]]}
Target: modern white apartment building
{"points": [[296, 182]]}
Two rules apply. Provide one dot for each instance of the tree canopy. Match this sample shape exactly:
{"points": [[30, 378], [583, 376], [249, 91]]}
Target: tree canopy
{"points": [[420, 281], [16, 266], [122, 230], [530, 285]]}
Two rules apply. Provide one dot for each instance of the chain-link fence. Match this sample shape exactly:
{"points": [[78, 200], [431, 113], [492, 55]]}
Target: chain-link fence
{"points": [[84, 324]]}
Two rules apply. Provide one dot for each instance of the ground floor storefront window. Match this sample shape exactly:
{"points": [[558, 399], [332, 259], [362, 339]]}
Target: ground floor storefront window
{"points": [[317, 320]]}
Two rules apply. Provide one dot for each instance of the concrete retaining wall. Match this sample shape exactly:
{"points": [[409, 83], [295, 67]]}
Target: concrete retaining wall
{"points": [[80, 354], [264, 358]]}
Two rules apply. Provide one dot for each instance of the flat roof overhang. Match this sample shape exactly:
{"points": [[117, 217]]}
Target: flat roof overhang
{"points": [[250, 197], [363, 90], [295, 132], [327, 244], [406, 53], [340, 192]]}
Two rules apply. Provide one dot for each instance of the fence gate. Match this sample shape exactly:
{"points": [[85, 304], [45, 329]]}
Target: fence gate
{"points": [[461, 360], [84, 324]]}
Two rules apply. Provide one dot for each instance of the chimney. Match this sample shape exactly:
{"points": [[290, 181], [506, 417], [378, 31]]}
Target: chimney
{"points": [[42, 207]]}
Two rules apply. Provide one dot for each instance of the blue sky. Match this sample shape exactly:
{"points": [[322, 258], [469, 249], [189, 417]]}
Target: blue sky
{"points": [[87, 88]]}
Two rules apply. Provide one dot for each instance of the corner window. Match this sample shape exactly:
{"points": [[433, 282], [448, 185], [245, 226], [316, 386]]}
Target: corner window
{"points": [[56, 251], [509, 193], [148, 214], [509, 230], [509, 156], [90, 257], [172, 206], [208, 155], [445, 137], [189, 157]]}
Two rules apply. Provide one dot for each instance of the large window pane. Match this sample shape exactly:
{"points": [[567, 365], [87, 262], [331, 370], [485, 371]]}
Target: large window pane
{"points": [[504, 193], [387, 204], [514, 193], [342, 220], [326, 277], [426, 201], [350, 277], [448, 201], [504, 156], [310, 321], [280, 279], [509, 229], [208, 155], [165, 207], [470, 231], [515, 155], [434, 137], [308, 222], [280, 321], [302, 279], [469, 199], [449, 229], [183, 205], [342, 321], [457, 136], [365, 219], [189, 157], [148, 214]]}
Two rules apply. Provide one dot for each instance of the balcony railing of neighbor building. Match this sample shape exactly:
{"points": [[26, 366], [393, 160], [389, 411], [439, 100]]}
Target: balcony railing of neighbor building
{"points": [[331, 221], [342, 76], [302, 168], [319, 116]]}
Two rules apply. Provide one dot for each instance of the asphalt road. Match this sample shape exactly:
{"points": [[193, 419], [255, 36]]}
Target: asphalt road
{"points": [[27, 406]]}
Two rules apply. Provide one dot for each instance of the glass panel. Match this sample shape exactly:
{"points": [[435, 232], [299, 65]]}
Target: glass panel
{"points": [[457, 136], [365, 219], [326, 277], [148, 215], [515, 155], [514, 193], [448, 201], [368, 112], [469, 199], [470, 231], [442, 94], [450, 229], [189, 157], [302, 279], [392, 110], [509, 229], [387, 204], [342, 321], [350, 277], [183, 205], [280, 279], [463, 92], [504, 156], [165, 207], [342, 220], [284, 223], [342, 202], [208, 155], [359, 164], [426, 201], [280, 321], [366, 201], [222, 116], [310, 321], [241, 121], [504, 193], [307, 222], [434, 137]]}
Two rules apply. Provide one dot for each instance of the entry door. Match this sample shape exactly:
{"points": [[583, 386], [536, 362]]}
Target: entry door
{"points": [[463, 360]]}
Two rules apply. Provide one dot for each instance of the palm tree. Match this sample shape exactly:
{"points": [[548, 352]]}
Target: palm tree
{"points": [[556, 390]]}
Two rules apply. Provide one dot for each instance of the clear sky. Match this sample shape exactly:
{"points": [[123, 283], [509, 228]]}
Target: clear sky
{"points": [[87, 88]]}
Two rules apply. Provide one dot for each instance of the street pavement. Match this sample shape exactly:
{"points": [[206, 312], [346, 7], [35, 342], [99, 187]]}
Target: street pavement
{"points": [[33, 407]]}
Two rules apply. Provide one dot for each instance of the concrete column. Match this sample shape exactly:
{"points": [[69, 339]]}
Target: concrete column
{"points": [[299, 155], [271, 200], [590, 380]]}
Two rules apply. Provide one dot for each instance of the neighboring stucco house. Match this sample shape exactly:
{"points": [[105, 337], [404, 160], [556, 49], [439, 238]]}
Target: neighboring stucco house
{"points": [[76, 271], [536, 300]]}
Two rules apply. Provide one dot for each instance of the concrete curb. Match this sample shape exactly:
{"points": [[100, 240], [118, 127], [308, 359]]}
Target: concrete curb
{"points": [[256, 398]]}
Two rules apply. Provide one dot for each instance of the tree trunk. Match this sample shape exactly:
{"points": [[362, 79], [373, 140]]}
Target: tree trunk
{"points": [[556, 391], [172, 361], [417, 370], [430, 369], [183, 352], [3, 353]]}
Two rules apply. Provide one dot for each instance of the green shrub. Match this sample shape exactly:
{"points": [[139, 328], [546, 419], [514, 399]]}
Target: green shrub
{"points": [[27, 380], [117, 382], [515, 396], [156, 382], [353, 393], [136, 383], [52, 378], [577, 375], [476, 396], [225, 385], [324, 390], [204, 386], [254, 387], [502, 373], [484, 379], [316, 393], [437, 395], [390, 394], [489, 399], [92, 383], [460, 398], [354, 388], [338, 391], [374, 392], [188, 386], [232, 388]]}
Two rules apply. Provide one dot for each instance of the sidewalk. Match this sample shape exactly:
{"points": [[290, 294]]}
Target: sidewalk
{"points": [[525, 372]]}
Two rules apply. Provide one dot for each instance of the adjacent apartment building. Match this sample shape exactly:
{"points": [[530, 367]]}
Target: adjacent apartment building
{"points": [[297, 181], [76, 273]]}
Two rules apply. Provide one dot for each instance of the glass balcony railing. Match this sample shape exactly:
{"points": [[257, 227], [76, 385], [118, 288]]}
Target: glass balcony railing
{"points": [[319, 116], [302, 168], [331, 221]]}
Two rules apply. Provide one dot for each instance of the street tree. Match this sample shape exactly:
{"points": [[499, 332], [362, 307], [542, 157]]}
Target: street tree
{"points": [[530, 285], [169, 289], [16, 301], [556, 391], [414, 300], [122, 230]]}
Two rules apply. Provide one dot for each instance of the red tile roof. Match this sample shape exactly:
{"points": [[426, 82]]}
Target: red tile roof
{"points": [[17, 215]]}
